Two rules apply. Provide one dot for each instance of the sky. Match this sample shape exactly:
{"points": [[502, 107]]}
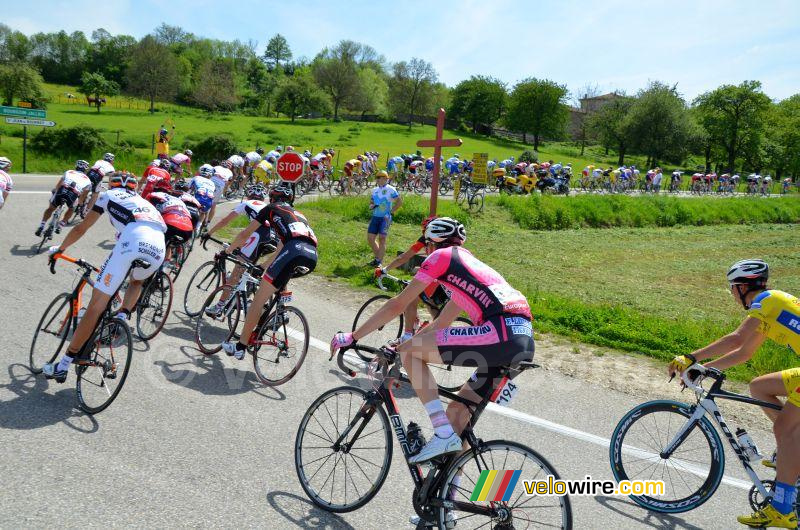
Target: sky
{"points": [[608, 44]]}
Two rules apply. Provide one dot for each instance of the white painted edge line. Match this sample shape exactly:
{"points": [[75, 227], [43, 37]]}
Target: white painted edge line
{"points": [[574, 433], [21, 192]]}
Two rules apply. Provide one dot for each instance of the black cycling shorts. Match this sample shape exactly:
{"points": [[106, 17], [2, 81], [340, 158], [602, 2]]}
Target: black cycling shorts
{"points": [[295, 253], [63, 196], [195, 215], [173, 232]]}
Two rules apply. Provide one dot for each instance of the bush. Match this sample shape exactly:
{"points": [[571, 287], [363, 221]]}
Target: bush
{"points": [[529, 157], [220, 146], [327, 130], [264, 129], [69, 142]]}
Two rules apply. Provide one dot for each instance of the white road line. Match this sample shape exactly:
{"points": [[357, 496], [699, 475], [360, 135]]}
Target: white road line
{"points": [[17, 192], [577, 434]]}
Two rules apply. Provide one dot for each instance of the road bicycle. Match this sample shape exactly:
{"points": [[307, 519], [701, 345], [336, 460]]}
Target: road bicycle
{"points": [[676, 442], [279, 344], [154, 303], [102, 364], [51, 227], [180, 253], [205, 279], [343, 452], [471, 196]]}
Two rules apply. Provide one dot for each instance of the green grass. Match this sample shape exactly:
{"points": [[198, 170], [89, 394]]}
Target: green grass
{"points": [[658, 291]]}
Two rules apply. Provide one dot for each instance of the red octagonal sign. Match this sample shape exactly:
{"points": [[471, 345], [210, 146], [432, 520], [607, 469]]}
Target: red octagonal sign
{"points": [[290, 167]]}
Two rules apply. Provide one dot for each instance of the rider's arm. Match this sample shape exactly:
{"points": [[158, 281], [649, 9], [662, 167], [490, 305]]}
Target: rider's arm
{"points": [[448, 314], [736, 347], [401, 259], [391, 308], [222, 223], [397, 204], [77, 232], [244, 235]]}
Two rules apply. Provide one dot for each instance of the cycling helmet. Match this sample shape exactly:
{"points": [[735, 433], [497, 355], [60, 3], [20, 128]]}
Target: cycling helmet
{"points": [[381, 174], [260, 151], [5, 163], [181, 185], [445, 230], [188, 153], [122, 179], [108, 157], [206, 171], [165, 164], [281, 193], [752, 273], [360, 157], [324, 151], [82, 166], [279, 149], [227, 164], [426, 221], [289, 148], [307, 153], [257, 192], [155, 163]]}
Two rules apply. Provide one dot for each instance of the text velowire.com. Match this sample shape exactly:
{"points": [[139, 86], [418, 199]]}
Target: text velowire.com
{"points": [[553, 487]]}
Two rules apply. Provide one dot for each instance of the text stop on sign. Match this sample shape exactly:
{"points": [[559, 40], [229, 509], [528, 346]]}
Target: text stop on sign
{"points": [[289, 167]]}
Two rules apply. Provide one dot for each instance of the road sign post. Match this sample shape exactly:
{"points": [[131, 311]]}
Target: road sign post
{"points": [[480, 162], [437, 144], [24, 149], [25, 117]]}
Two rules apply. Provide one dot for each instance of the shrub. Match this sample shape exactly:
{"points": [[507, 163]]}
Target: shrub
{"points": [[220, 146], [69, 141], [529, 157], [327, 130], [264, 129]]}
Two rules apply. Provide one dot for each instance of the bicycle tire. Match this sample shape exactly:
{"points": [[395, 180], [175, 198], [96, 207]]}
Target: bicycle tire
{"points": [[204, 281], [212, 330], [469, 465], [101, 338], [60, 303], [475, 202], [383, 334], [282, 333], [661, 504], [344, 394], [157, 295]]}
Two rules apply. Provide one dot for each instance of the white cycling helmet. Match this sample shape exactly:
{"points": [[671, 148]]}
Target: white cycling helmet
{"points": [[108, 157], [5, 163], [155, 163], [206, 171], [445, 229], [749, 272]]}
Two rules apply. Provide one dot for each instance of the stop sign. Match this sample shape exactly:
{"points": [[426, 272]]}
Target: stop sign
{"points": [[290, 167]]}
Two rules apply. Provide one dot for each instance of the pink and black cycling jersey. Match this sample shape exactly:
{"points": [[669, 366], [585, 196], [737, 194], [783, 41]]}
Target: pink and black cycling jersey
{"points": [[474, 286]]}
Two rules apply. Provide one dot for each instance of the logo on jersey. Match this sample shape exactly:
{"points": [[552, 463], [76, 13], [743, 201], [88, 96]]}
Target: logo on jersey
{"points": [[790, 321], [471, 289], [107, 280], [474, 331]]}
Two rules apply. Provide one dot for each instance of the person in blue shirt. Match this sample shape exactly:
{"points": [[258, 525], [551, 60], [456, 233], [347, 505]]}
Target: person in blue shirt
{"points": [[384, 202]]}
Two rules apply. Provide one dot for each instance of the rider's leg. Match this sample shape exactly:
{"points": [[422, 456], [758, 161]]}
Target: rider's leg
{"points": [[263, 294], [787, 435], [48, 212], [131, 295], [381, 247], [85, 327], [371, 242], [767, 388]]}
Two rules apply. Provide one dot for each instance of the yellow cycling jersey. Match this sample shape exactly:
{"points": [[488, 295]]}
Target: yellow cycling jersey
{"points": [[779, 314], [263, 172]]}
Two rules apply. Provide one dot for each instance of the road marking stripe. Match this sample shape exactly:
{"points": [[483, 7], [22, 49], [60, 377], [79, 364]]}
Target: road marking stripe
{"points": [[572, 433], [17, 192]]}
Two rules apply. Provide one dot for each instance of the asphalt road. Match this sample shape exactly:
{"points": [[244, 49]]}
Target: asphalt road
{"points": [[196, 441]]}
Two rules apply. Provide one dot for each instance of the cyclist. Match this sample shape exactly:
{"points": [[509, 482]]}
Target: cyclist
{"points": [[97, 173], [318, 161], [263, 172], [675, 180], [203, 188], [260, 243], [393, 165], [384, 202], [6, 184], [251, 159], [155, 176], [502, 333], [237, 163], [180, 160], [771, 314], [141, 236], [73, 184], [221, 178], [175, 214], [182, 190], [350, 167], [295, 256], [275, 153]]}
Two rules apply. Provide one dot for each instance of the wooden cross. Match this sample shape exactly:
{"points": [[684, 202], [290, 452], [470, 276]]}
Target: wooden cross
{"points": [[437, 145]]}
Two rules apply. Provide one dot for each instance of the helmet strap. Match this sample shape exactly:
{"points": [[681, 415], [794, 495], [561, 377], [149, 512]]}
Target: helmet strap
{"points": [[748, 289]]}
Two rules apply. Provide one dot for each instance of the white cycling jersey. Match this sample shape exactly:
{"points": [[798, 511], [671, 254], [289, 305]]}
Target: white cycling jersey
{"points": [[6, 184], [103, 167], [252, 158], [222, 174], [181, 158], [202, 186], [138, 240], [126, 207], [320, 157], [274, 154], [75, 181], [236, 161]]}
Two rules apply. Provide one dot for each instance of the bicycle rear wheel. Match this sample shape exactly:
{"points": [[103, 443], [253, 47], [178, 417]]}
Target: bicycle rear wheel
{"points": [[153, 306], [99, 383], [204, 280], [343, 477], [520, 510], [51, 333], [215, 327], [282, 346], [475, 202], [382, 335], [692, 472]]}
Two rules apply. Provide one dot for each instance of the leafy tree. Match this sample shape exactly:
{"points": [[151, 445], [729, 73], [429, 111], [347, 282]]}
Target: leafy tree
{"points": [[97, 86], [110, 54], [610, 124], [782, 146], [153, 71], [14, 45], [537, 106], [479, 100], [298, 95], [22, 82], [659, 124], [171, 35], [215, 89], [61, 57], [733, 116], [411, 87], [372, 93], [277, 50], [336, 72]]}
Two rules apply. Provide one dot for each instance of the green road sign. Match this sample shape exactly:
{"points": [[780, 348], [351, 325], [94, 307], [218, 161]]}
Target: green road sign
{"points": [[22, 113]]}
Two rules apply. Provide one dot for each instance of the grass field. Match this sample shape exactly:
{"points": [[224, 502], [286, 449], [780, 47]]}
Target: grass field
{"points": [[136, 126], [658, 291]]}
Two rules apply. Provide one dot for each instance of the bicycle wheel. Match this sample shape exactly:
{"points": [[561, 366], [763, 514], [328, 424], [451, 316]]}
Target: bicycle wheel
{"points": [[99, 383], [382, 335], [449, 377], [342, 477], [520, 511], [323, 183], [692, 472], [211, 330], [153, 306], [420, 186], [282, 345], [204, 280], [51, 333], [475, 202]]}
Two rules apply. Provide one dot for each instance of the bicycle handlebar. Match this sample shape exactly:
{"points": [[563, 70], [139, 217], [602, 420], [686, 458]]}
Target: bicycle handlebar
{"points": [[694, 384], [390, 277], [206, 239], [77, 261]]}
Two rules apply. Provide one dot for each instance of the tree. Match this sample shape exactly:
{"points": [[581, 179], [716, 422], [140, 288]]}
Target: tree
{"points": [[14, 46], [110, 54], [97, 86], [298, 95], [734, 116], [153, 71], [372, 93], [479, 100], [170, 35], [61, 57], [610, 125], [782, 148], [411, 87], [277, 50], [537, 106], [22, 82], [336, 72], [215, 89]]}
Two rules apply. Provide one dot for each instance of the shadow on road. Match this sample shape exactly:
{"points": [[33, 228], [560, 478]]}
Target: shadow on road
{"points": [[19, 250], [303, 513], [34, 408], [652, 519]]}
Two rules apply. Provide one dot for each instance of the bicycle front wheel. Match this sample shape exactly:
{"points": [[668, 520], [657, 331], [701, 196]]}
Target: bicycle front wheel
{"points": [[204, 280], [475, 202], [341, 457], [383, 334], [100, 381], [51, 333], [281, 346], [693, 470], [519, 510], [154, 304], [217, 320]]}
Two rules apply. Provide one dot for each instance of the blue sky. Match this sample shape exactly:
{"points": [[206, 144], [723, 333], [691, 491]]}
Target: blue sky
{"points": [[614, 44]]}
